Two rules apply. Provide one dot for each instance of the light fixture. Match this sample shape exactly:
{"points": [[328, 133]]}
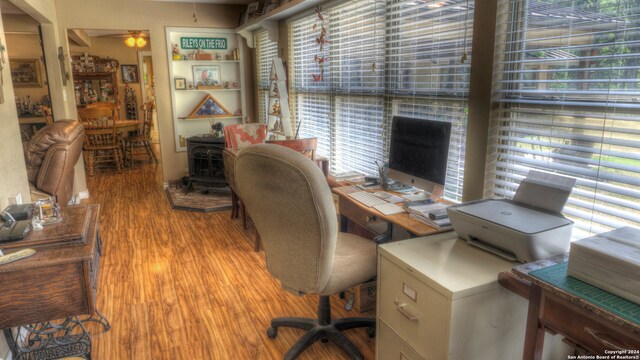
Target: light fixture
{"points": [[135, 39]]}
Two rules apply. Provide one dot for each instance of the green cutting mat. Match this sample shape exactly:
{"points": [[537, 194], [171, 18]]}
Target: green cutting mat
{"points": [[557, 275]]}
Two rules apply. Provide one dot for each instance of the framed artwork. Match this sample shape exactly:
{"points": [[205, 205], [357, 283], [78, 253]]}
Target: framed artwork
{"points": [[180, 83], [25, 72], [206, 75], [129, 74], [209, 107]]}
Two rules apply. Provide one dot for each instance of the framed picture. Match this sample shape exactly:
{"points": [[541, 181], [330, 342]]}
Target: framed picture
{"points": [[206, 75], [180, 83], [129, 74], [25, 72]]}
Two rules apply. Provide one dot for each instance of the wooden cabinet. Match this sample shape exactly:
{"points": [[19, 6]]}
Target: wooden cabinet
{"points": [[94, 79], [438, 298], [60, 279], [207, 73]]}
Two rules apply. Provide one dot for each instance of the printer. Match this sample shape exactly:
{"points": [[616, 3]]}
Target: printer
{"points": [[528, 228]]}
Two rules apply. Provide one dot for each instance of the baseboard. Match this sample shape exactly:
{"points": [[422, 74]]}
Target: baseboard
{"points": [[165, 185], [79, 197]]}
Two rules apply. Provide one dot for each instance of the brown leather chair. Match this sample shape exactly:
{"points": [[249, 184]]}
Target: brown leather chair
{"points": [[51, 156]]}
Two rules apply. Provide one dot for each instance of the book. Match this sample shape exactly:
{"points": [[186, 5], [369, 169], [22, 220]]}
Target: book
{"points": [[433, 214], [347, 175]]}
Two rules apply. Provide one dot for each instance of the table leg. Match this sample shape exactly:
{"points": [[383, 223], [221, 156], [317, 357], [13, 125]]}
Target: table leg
{"points": [[99, 318], [534, 333], [49, 340]]}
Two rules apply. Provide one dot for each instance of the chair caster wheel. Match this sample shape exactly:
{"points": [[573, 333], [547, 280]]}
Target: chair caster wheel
{"points": [[371, 332], [272, 332]]}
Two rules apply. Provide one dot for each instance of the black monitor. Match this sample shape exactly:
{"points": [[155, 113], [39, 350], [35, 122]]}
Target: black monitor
{"points": [[418, 152]]}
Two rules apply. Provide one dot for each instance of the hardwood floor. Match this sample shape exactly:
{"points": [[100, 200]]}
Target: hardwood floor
{"points": [[186, 285]]}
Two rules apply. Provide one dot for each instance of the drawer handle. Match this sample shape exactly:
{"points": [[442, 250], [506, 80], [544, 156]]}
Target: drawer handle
{"points": [[403, 309], [602, 341]]}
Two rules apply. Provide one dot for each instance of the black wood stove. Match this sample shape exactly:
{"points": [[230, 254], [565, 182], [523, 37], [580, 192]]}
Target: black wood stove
{"points": [[205, 161]]}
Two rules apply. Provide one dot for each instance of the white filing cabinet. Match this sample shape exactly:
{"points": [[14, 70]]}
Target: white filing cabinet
{"points": [[438, 298]]}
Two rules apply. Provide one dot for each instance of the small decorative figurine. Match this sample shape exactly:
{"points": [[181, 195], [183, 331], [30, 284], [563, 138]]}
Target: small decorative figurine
{"points": [[175, 50], [276, 107]]}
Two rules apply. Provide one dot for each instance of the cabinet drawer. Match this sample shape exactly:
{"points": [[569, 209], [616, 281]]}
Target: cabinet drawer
{"points": [[357, 214], [390, 346], [579, 325], [416, 312]]}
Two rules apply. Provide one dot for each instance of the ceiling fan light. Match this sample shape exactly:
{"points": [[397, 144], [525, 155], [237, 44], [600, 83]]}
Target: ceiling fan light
{"points": [[141, 42], [131, 41]]}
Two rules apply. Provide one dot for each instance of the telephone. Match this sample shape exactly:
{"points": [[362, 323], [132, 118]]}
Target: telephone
{"points": [[13, 229]]}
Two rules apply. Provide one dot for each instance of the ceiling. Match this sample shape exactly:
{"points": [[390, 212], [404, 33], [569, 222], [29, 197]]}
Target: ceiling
{"points": [[6, 7]]}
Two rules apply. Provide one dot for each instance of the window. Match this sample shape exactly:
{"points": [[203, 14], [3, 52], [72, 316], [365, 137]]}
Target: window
{"points": [[568, 94], [266, 50], [385, 58]]}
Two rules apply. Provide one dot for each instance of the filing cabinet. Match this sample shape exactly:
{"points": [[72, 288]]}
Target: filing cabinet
{"points": [[438, 298]]}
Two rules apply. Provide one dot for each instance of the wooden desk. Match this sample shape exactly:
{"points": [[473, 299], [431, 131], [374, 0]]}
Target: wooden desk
{"points": [[581, 322], [354, 216]]}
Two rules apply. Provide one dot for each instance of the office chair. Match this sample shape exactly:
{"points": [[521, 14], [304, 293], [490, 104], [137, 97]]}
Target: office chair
{"points": [[292, 208]]}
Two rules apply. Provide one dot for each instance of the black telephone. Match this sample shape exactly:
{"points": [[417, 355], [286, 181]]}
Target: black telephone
{"points": [[17, 222]]}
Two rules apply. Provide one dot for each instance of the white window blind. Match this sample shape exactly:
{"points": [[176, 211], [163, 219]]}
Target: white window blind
{"points": [[266, 50], [426, 77], [568, 92], [385, 58]]}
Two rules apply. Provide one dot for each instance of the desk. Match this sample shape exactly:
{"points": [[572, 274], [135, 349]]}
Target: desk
{"points": [[59, 281], [354, 216], [553, 309]]}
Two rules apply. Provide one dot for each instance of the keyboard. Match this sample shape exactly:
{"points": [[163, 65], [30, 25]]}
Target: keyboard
{"points": [[367, 198]]}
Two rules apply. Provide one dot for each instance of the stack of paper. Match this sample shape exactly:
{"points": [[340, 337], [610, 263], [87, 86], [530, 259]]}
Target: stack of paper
{"points": [[430, 213], [610, 261]]}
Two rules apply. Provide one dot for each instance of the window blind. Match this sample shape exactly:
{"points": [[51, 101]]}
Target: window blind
{"points": [[385, 58], [266, 50], [568, 102], [426, 77]]}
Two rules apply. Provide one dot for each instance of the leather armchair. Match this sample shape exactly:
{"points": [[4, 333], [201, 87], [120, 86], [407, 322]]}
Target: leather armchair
{"points": [[51, 156]]}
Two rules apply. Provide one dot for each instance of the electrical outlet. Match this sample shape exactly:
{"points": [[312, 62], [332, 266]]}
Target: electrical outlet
{"points": [[15, 199]]}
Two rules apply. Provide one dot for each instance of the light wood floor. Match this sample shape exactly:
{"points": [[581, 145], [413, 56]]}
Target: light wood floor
{"points": [[186, 285]]}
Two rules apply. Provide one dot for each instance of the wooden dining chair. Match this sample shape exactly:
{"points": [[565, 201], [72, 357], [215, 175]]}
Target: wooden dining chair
{"points": [[141, 139], [102, 143], [105, 104], [47, 114]]}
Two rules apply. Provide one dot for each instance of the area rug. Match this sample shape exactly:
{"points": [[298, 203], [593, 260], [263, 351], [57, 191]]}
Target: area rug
{"points": [[200, 199]]}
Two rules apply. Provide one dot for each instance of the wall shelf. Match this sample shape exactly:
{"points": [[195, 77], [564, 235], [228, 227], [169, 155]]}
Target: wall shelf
{"points": [[270, 20], [187, 101]]}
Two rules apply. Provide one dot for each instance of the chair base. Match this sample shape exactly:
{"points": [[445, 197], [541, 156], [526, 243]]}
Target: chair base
{"points": [[324, 329]]}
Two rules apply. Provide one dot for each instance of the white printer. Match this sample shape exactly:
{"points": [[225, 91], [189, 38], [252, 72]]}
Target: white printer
{"points": [[511, 230], [528, 228]]}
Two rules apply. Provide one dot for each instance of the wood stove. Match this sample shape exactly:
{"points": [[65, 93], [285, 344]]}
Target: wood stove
{"points": [[205, 161]]}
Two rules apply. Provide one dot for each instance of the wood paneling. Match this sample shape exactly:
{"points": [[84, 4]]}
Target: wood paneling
{"points": [[187, 285]]}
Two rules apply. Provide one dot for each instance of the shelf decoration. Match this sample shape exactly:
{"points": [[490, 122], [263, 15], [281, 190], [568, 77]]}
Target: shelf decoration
{"points": [[278, 123], [209, 107]]}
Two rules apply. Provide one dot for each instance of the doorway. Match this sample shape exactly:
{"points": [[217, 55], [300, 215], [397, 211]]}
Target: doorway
{"points": [[26, 60], [130, 85]]}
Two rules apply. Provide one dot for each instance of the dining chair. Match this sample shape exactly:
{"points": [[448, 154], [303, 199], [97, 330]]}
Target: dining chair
{"points": [[237, 136], [141, 139], [106, 104], [102, 143]]}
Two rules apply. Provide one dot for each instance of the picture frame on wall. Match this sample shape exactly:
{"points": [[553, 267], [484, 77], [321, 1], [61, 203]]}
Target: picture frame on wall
{"points": [[180, 83], [130, 74], [25, 72], [206, 75]]}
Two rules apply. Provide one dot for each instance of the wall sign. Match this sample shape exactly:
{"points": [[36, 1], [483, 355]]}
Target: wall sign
{"points": [[203, 43]]}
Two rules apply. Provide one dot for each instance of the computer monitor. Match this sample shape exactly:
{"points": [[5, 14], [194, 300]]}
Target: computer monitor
{"points": [[418, 152]]}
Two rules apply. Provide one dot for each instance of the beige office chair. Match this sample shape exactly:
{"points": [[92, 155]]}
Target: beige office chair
{"points": [[291, 205]]}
